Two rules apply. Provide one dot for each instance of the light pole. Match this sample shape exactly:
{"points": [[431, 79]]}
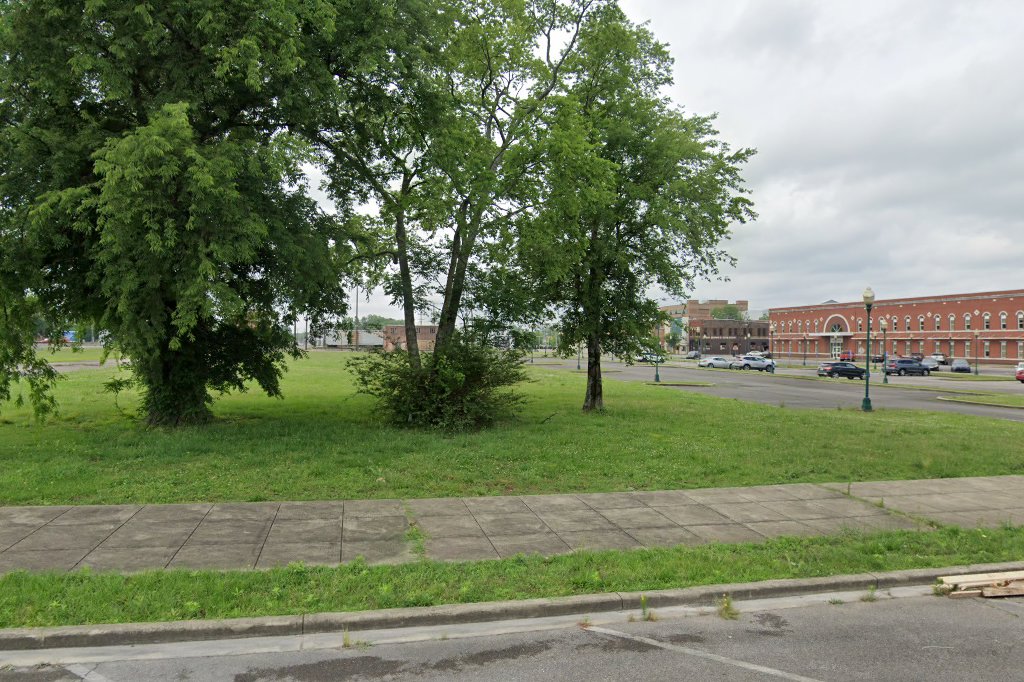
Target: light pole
{"points": [[976, 335], [657, 377], [771, 339], [869, 300], [579, 352], [883, 324], [805, 350]]}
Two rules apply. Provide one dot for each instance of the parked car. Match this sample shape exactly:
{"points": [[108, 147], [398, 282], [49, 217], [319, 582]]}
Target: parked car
{"points": [[650, 357], [693, 355], [917, 356], [960, 365], [753, 362], [714, 361], [903, 366], [1020, 372], [939, 358], [878, 357], [847, 355], [931, 363], [837, 368]]}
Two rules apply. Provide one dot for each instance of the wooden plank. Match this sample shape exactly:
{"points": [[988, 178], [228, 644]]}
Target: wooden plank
{"points": [[981, 578], [961, 594], [1012, 590]]}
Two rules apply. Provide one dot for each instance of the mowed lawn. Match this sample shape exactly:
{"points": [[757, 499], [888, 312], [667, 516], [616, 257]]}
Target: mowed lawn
{"points": [[325, 441]]}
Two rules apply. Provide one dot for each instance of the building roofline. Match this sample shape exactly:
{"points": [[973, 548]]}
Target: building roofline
{"points": [[945, 298]]}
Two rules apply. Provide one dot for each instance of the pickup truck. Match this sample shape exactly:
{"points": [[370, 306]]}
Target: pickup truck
{"points": [[753, 362]]}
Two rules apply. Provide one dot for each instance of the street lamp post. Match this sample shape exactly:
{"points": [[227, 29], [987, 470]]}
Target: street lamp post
{"points": [[869, 300], [805, 350], [579, 352], [771, 339], [976, 336], [883, 324], [657, 377]]}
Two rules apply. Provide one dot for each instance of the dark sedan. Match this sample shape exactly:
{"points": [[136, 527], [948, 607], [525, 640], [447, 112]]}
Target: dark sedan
{"points": [[960, 365], [840, 369]]}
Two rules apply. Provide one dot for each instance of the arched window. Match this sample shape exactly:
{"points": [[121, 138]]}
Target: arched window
{"points": [[860, 324], [1002, 320], [906, 323], [952, 323], [987, 321], [938, 323], [836, 328], [967, 321], [920, 323], [1020, 322], [895, 323]]}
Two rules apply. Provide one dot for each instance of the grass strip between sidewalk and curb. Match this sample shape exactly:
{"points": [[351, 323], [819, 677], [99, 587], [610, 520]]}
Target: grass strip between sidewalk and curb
{"points": [[1010, 401], [83, 597]]}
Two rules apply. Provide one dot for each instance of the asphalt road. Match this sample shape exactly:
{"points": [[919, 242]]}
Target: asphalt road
{"points": [[915, 636], [802, 388]]}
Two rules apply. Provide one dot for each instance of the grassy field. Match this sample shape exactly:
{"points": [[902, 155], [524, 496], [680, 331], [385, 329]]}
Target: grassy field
{"points": [[86, 598], [68, 354], [323, 441], [992, 399]]}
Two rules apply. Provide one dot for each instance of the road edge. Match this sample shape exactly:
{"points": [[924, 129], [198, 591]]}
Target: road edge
{"points": [[13, 639]]}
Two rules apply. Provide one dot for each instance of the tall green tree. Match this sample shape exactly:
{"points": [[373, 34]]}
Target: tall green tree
{"points": [[636, 194], [150, 182], [728, 312]]}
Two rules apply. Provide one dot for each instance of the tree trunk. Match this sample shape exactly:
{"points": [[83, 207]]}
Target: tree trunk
{"points": [[462, 248], [594, 400], [408, 301], [174, 387]]}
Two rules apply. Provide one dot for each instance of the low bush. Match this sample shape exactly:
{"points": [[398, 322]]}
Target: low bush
{"points": [[465, 387]]}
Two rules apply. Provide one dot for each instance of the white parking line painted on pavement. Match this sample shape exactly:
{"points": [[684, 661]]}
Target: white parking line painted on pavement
{"points": [[706, 655]]}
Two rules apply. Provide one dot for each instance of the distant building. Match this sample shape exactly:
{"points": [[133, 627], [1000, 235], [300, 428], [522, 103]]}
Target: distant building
{"points": [[351, 338], [986, 325], [728, 337], [680, 315], [394, 337]]}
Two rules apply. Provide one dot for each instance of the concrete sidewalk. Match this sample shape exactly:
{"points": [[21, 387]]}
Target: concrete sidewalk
{"points": [[261, 535]]}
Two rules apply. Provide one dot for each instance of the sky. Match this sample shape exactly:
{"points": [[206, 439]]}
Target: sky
{"points": [[889, 137]]}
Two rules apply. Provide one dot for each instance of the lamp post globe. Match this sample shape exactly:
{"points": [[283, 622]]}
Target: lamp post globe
{"points": [[869, 301]]}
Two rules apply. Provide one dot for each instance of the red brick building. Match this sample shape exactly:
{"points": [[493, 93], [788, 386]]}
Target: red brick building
{"points": [[987, 325]]}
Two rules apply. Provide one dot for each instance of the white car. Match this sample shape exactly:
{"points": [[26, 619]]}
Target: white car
{"points": [[714, 361], [753, 362]]}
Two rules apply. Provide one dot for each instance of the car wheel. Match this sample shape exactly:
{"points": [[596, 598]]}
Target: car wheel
{"points": [[902, 372], [927, 372], [746, 366], [849, 376]]}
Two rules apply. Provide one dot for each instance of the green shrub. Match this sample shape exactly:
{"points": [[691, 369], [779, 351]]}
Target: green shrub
{"points": [[465, 387]]}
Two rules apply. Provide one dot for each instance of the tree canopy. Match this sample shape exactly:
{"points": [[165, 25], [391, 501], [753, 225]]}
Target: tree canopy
{"points": [[519, 158], [149, 184], [728, 312]]}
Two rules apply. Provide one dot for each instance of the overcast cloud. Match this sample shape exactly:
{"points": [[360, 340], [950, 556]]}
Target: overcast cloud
{"points": [[890, 138]]}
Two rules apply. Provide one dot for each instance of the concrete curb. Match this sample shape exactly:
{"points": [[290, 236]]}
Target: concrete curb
{"points": [[707, 595]]}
